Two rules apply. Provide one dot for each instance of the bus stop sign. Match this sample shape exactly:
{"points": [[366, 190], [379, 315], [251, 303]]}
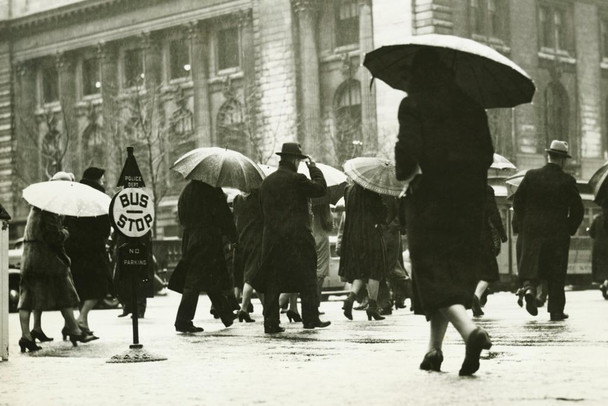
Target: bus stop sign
{"points": [[132, 212]]}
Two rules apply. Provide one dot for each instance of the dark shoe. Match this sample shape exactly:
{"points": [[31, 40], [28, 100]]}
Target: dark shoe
{"points": [[478, 340], [317, 323], [531, 306], [476, 307], [244, 316], [484, 297], [65, 333], [88, 332], [30, 345], [432, 361], [386, 310], [348, 305], [559, 316], [249, 308], [82, 337], [372, 311], [520, 297], [399, 303], [273, 329], [189, 329], [228, 318], [604, 290], [124, 313], [40, 336], [293, 316], [214, 312], [140, 315]]}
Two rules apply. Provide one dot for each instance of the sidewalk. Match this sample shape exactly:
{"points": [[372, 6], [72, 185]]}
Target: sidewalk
{"points": [[533, 360]]}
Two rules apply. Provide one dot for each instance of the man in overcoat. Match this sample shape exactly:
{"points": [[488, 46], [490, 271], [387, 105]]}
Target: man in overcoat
{"points": [[549, 210], [289, 258]]}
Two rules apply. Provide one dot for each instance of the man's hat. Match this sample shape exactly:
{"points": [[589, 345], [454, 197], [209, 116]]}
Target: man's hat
{"points": [[61, 175], [559, 148], [292, 149]]}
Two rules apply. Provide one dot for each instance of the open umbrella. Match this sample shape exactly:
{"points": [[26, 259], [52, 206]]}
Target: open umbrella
{"points": [[375, 174], [597, 181], [501, 167], [487, 76], [514, 181], [335, 179], [67, 198], [220, 167]]}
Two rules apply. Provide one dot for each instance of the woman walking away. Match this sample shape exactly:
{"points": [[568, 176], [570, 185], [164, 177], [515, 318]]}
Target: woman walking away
{"points": [[46, 281], [446, 134], [250, 228], [204, 213], [363, 258], [493, 235], [86, 247], [599, 254]]}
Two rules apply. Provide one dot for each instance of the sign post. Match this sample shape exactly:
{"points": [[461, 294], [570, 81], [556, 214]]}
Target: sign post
{"points": [[4, 219], [132, 215]]}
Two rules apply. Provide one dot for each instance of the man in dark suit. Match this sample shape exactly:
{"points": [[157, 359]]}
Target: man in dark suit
{"points": [[289, 258], [549, 210]]}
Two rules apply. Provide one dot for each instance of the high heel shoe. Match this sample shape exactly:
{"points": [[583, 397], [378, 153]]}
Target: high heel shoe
{"points": [[476, 307], [242, 315], [293, 316], [40, 336], [86, 331], [478, 340], [30, 345], [228, 318], [372, 311], [65, 333], [348, 305], [432, 361], [82, 337]]}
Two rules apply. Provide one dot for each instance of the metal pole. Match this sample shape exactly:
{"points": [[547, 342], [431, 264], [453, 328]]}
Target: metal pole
{"points": [[134, 314]]}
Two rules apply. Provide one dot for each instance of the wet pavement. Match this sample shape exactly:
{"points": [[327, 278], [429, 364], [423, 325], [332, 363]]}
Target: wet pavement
{"points": [[359, 362]]}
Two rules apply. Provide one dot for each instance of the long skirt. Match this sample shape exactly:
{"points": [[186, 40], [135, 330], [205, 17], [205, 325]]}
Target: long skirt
{"points": [[47, 292]]}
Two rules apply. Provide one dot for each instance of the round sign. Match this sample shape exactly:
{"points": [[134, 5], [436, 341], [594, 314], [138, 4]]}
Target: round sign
{"points": [[132, 212]]}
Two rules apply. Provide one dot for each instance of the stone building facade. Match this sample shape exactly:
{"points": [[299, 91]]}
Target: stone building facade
{"points": [[82, 79]]}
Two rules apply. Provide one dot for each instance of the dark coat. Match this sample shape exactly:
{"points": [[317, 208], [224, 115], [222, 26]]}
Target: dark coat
{"points": [[362, 252], [599, 254], [489, 265], [46, 281], [549, 210], [86, 247], [446, 133], [205, 216], [289, 256], [250, 228]]}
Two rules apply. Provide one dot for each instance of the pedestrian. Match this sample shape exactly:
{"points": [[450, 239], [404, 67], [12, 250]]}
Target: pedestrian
{"points": [[549, 210], [86, 247], [46, 281], [289, 258], [363, 256], [445, 133], [599, 253], [322, 226], [250, 228], [492, 237], [206, 218]]}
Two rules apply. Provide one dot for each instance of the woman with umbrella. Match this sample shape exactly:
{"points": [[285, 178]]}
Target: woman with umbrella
{"points": [[46, 280], [445, 133]]}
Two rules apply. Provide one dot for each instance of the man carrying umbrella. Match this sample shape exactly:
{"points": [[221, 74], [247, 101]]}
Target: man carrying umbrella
{"points": [[289, 258], [549, 210]]}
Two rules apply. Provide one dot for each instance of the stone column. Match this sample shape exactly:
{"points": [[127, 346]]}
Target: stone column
{"points": [[310, 95], [198, 37], [66, 69], [112, 125], [152, 61], [369, 128], [250, 91]]}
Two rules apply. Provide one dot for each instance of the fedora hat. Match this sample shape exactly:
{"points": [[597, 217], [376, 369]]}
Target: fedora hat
{"points": [[559, 148], [292, 149]]}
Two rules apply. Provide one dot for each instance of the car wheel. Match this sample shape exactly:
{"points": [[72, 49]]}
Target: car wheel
{"points": [[13, 300]]}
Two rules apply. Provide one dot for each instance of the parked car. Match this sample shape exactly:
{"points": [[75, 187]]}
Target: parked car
{"points": [[14, 265]]}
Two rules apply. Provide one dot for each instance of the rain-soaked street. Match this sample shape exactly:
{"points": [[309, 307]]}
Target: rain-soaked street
{"points": [[532, 361]]}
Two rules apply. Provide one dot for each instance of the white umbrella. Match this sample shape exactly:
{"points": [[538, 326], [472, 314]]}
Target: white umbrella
{"points": [[375, 174], [220, 167], [67, 198], [487, 76]]}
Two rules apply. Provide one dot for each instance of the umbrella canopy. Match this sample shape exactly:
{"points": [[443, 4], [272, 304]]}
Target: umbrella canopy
{"points": [[375, 174], [220, 167], [514, 181], [597, 183], [501, 167], [487, 76], [335, 179], [67, 198]]}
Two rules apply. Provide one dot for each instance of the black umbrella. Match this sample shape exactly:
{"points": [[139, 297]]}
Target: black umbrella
{"points": [[487, 76]]}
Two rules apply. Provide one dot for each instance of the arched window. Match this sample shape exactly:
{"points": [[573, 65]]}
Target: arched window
{"points": [[93, 141], [231, 130], [347, 111], [557, 113]]}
